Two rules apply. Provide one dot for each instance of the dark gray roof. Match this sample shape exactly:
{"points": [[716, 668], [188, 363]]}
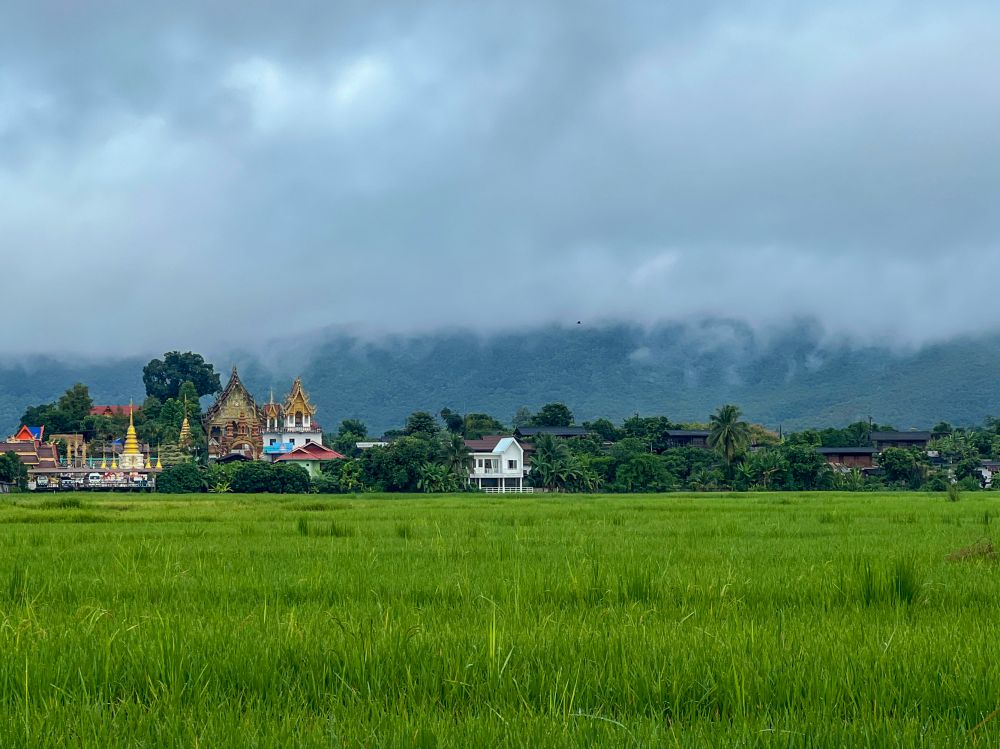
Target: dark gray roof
{"points": [[901, 436], [688, 433], [845, 450], [554, 431]]}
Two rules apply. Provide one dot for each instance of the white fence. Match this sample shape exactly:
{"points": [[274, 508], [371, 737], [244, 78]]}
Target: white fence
{"points": [[510, 490]]}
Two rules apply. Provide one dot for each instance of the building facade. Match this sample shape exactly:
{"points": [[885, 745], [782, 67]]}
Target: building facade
{"points": [[497, 464], [233, 424], [290, 425]]}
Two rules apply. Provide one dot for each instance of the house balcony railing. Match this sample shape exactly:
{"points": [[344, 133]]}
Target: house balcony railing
{"points": [[481, 474], [288, 429]]}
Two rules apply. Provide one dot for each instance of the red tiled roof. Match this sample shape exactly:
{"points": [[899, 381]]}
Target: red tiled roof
{"points": [[310, 451], [484, 445], [112, 410]]}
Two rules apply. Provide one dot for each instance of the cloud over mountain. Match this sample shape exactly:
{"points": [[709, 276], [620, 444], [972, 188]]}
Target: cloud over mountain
{"points": [[190, 173]]}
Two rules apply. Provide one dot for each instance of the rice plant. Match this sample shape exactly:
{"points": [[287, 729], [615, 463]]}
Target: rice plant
{"points": [[706, 620]]}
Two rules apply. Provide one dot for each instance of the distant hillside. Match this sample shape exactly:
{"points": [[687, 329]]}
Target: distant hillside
{"points": [[681, 371]]}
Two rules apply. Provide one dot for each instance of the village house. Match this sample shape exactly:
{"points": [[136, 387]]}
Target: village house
{"points": [[881, 440], [848, 457], [310, 456], [497, 464], [687, 437]]}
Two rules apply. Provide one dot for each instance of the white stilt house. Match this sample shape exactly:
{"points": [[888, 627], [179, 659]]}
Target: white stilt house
{"points": [[498, 464]]}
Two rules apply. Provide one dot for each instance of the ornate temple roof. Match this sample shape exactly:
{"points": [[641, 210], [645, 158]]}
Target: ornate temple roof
{"points": [[234, 387], [297, 400]]}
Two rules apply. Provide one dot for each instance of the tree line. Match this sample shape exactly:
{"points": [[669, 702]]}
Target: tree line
{"points": [[428, 452]]}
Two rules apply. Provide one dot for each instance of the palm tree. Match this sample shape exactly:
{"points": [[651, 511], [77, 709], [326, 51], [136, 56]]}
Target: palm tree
{"points": [[550, 467], [728, 435], [457, 458]]}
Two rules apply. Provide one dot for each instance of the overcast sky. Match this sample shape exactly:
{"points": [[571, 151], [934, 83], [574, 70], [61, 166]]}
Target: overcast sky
{"points": [[175, 177]]}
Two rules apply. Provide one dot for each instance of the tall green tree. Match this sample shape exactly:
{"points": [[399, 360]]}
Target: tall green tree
{"points": [[453, 420], [13, 471], [728, 434], [75, 405], [421, 424], [476, 426], [163, 377], [553, 415]]}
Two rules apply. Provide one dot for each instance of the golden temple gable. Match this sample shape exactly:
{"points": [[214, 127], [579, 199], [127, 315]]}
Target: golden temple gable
{"points": [[233, 423]]}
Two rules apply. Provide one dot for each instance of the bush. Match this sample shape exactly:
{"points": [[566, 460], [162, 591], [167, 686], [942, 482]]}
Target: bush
{"points": [[292, 479], [272, 478], [326, 484], [183, 478]]}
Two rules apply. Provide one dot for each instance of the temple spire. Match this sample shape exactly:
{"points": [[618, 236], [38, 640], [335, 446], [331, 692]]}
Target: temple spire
{"points": [[185, 436]]}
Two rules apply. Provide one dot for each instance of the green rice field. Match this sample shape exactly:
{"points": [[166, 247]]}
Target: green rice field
{"points": [[477, 621]]}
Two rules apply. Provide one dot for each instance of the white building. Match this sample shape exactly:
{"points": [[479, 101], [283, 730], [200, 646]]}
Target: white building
{"points": [[498, 464], [291, 424]]}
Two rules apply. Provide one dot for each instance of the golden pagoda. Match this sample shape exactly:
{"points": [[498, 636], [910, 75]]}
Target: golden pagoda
{"points": [[185, 438], [131, 458]]}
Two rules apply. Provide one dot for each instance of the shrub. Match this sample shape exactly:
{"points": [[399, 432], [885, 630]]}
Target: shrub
{"points": [[326, 484], [953, 493], [292, 479], [272, 478], [183, 478]]}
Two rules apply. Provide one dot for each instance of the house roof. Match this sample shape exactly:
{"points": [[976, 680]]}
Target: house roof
{"points": [[495, 443], [484, 445], [901, 436], [554, 431], [113, 409], [688, 433], [310, 451], [845, 450]]}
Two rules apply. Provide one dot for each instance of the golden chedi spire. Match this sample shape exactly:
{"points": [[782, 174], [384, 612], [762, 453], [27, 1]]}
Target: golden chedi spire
{"points": [[185, 438], [131, 439], [159, 465], [131, 457]]}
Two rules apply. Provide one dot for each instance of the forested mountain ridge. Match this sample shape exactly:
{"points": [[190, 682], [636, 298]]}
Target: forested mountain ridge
{"points": [[681, 371]]}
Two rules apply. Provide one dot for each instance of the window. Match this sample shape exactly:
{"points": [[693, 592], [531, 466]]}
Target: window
{"points": [[298, 418], [511, 465], [479, 462], [291, 441], [274, 441]]}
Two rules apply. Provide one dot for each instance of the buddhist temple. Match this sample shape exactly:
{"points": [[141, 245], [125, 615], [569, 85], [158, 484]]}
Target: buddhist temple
{"points": [[233, 423], [291, 425]]}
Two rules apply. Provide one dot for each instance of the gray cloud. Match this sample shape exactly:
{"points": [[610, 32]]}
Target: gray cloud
{"points": [[195, 173]]}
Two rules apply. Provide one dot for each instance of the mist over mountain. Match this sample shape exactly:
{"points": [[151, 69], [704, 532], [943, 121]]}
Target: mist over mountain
{"points": [[794, 377]]}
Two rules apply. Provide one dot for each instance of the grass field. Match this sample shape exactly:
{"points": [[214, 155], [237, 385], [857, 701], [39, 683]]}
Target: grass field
{"points": [[475, 621]]}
